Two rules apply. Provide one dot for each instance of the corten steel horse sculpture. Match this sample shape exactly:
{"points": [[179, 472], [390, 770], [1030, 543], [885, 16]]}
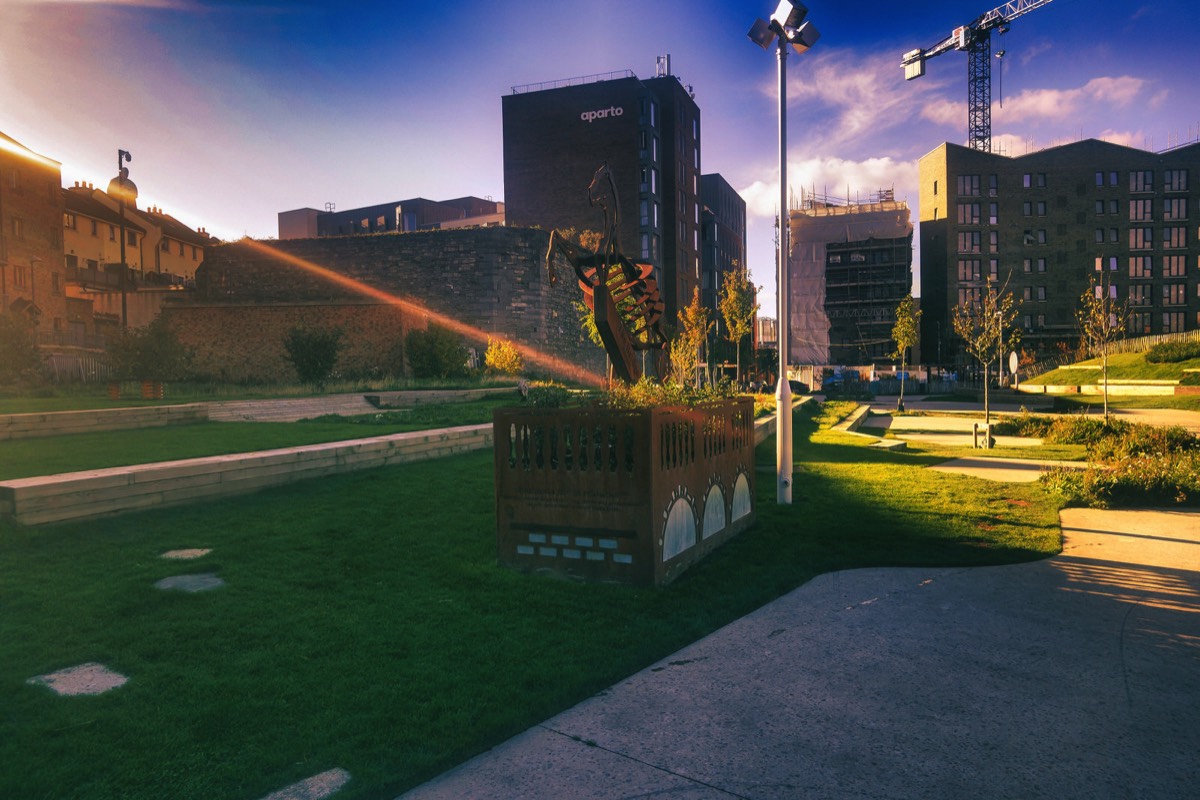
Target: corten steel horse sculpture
{"points": [[622, 296]]}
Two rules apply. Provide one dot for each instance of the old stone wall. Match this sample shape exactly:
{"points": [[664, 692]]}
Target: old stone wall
{"points": [[480, 282]]}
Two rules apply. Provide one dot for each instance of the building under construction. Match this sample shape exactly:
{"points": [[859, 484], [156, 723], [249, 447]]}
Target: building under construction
{"points": [[850, 266]]}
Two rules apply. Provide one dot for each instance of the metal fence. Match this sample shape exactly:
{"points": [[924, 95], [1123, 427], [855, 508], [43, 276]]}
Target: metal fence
{"points": [[88, 368]]}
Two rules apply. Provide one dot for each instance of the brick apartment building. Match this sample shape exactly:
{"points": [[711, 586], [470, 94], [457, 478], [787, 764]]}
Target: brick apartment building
{"points": [[1047, 223]]}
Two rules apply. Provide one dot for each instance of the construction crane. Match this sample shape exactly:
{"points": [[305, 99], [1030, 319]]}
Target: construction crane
{"points": [[976, 38]]}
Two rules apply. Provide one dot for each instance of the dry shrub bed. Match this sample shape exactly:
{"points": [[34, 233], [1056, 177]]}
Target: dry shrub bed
{"points": [[1130, 463]]}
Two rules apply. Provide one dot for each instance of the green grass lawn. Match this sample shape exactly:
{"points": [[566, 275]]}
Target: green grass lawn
{"points": [[21, 458], [366, 625], [75, 397]]}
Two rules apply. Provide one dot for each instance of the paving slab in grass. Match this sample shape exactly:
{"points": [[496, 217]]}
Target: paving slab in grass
{"points": [[184, 555], [315, 788], [1009, 470], [88, 678], [191, 583]]}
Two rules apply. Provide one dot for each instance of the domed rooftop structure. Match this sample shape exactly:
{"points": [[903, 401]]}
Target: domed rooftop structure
{"points": [[121, 188]]}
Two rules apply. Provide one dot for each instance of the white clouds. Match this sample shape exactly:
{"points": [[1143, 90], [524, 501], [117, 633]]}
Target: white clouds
{"points": [[835, 176]]}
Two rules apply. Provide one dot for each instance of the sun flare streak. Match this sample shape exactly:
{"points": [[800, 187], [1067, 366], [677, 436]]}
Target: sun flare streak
{"points": [[553, 364]]}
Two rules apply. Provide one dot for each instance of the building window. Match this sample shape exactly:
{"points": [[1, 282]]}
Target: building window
{"points": [[1141, 180], [1099, 235], [993, 185], [1172, 321], [1041, 320], [1027, 180], [969, 296], [1099, 206], [1041, 208], [55, 283], [1027, 293], [1027, 209], [1099, 178], [1141, 238], [968, 241], [1041, 236], [1175, 208], [1141, 266], [1041, 294], [112, 233], [994, 241], [165, 246], [993, 213], [1175, 238], [1174, 294], [994, 269], [70, 221], [20, 276], [94, 231], [968, 269], [1175, 180], [968, 213], [935, 188], [1027, 265], [1112, 179], [1174, 266], [968, 185], [1041, 180], [1114, 235], [131, 238], [1139, 295], [1141, 210], [1027, 322], [1139, 323]]}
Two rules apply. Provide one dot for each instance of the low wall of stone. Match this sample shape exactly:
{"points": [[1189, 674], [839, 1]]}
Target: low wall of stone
{"points": [[58, 423]]}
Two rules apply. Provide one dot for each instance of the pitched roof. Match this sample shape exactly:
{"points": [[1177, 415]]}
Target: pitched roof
{"points": [[84, 204]]}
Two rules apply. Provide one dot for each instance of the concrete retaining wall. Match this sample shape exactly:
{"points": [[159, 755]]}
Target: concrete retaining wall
{"points": [[57, 423], [94, 493]]}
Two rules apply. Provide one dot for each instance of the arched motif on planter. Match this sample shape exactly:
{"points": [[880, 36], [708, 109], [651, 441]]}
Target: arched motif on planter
{"points": [[679, 531], [741, 497], [714, 511]]}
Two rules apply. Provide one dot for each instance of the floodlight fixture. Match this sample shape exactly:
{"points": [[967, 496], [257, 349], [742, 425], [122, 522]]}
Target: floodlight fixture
{"points": [[761, 33], [789, 14]]}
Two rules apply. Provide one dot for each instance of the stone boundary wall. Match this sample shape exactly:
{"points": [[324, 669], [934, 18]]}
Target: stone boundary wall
{"points": [[494, 280], [57, 423]]}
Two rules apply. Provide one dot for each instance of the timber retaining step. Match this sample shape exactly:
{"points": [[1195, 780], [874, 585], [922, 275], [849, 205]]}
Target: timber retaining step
{"points": [[58, 423], [115, 490]]}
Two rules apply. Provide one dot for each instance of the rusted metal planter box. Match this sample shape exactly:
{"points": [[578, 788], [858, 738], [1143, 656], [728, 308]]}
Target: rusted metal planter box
{"points": [[631, 497]]}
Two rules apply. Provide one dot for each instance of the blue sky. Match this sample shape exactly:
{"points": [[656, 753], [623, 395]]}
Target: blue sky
{"points": [[235, 111]]}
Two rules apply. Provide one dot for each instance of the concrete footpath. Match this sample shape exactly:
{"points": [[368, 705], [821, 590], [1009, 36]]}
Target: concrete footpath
{"points": [[1073, 677]]}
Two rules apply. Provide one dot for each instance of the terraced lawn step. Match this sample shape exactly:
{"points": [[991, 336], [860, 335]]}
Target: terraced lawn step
{"points": [[115, 490]]}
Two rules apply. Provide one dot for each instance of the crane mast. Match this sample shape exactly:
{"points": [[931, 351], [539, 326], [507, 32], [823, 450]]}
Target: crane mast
{"points": [[976, 38]]}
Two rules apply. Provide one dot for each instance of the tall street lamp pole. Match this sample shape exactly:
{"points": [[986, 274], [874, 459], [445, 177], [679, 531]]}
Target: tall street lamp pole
{"points": [[788, 26], [122, 172]]}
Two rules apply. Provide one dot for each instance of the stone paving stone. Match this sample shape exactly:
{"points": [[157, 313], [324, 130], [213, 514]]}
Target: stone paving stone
{"points": [[194, 552], [88, 678], [191, 583], [314, 788]]}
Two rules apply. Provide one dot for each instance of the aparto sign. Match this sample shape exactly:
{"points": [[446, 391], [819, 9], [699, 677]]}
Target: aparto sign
{"points": [[603, 113]]}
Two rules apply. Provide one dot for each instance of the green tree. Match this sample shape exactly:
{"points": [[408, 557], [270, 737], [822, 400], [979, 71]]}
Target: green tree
{"points": [[313, 353], [20, 359], [738, 303], [436, 353], [904, 334], [1102, 319], [982, 325], [503, 357], [694, 326]]}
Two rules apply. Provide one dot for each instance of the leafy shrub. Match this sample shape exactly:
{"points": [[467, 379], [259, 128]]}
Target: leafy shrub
{"points": [[1173, 352], [1157, 479], [503, 357], [20, 360], [313, 353], [150, 353], [436, 353], [545, 395], [646, 393]]}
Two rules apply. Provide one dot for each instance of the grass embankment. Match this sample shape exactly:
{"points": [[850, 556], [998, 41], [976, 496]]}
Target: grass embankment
{"points": [[1121, 367], [366, 625], [22, 458]]}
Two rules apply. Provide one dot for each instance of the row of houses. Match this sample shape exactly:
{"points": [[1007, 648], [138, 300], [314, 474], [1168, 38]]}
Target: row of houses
{"points": [[80, 262]]}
